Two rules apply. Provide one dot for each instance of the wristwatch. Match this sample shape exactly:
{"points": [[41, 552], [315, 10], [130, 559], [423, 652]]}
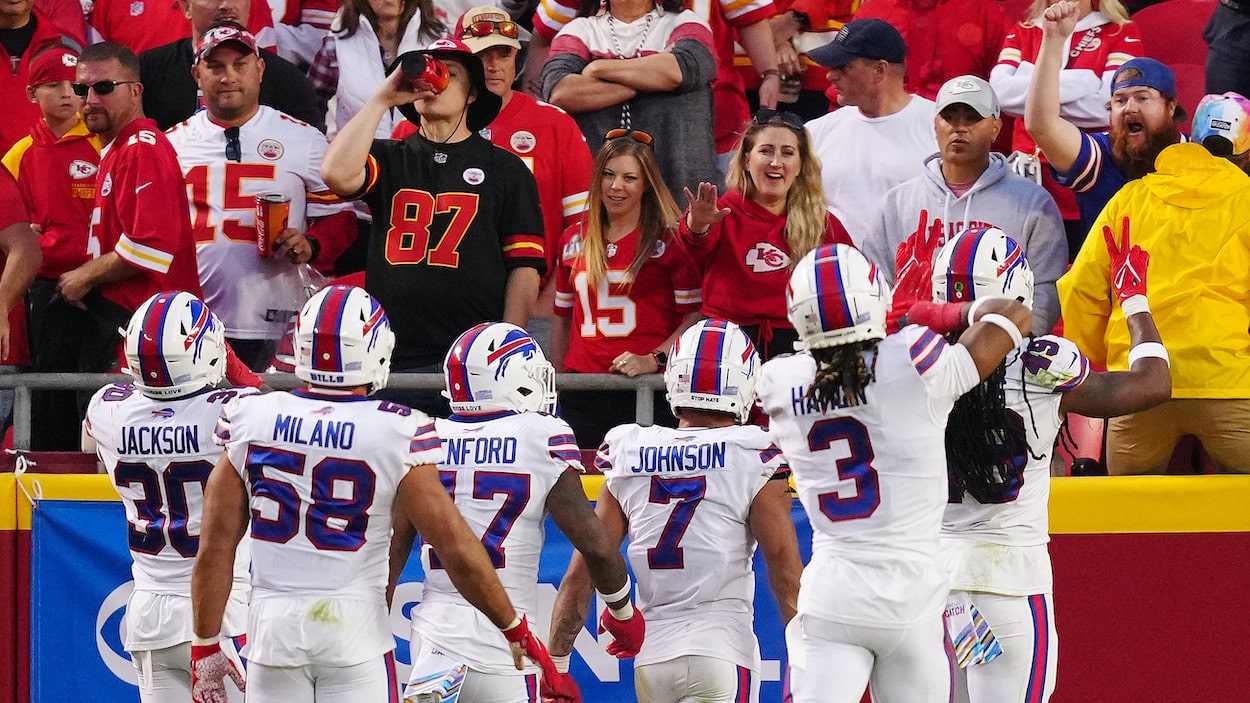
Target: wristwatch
{"points": [[661, 359]]}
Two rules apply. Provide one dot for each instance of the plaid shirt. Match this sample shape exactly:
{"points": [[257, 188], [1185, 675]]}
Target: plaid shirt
{"points": [[324, 72]]}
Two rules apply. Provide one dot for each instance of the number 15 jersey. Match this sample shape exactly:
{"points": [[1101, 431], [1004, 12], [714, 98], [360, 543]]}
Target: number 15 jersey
{"points": [[872, 478]]}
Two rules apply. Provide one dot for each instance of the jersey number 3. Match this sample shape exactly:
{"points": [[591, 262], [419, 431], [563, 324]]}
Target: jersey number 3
{"points": [[855, 464]]}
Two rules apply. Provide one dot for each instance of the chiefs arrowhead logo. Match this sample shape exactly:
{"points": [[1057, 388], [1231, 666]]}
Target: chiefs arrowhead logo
{"points": [[765, 257]]}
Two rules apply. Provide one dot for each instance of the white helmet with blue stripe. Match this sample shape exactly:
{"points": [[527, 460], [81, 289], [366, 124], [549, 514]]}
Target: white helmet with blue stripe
{"points": [[837, 296], [982, 262], [343, 339], [712, 367], [175, 345], [497, 366]]}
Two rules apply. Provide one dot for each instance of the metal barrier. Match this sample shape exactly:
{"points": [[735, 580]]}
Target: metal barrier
{"points": [[24, 383]]}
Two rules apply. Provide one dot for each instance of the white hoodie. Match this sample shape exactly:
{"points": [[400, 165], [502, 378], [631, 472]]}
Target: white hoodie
{"points": [[1019, 207]]}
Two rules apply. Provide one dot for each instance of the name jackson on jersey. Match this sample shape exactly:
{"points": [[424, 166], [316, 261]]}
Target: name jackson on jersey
{"points": [[156, 441]]}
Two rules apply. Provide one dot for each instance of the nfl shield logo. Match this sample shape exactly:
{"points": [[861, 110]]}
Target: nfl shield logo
{"points": [[136, 8]]}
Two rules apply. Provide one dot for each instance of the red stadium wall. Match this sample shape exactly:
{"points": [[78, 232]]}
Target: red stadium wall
{"points": [[1152, 587]]}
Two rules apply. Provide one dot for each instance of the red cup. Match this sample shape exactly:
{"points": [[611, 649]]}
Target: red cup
{"points": [[273, 210]]}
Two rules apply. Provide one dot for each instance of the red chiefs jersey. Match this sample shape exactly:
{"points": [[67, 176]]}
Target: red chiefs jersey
{"points": [[57, 180], [139, 24], [552, 146], [12, 212], [20, 114], [746, 262], [141, 214], [618, 317]]}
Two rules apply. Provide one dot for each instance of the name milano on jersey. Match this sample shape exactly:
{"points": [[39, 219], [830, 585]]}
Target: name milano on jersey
{"points": [[498, 469], [254, 296], [159, 454], [687, 494]]}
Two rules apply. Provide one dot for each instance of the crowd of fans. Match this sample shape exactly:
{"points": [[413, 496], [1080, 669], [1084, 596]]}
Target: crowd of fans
{"points": [[652, 198]]}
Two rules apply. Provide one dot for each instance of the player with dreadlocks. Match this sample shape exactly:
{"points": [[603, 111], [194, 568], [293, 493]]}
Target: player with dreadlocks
{"points": [[999, 443], [861, 417]]}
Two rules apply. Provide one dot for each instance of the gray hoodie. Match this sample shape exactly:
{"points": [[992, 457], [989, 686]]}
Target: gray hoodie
{"points": [[999, 198]]}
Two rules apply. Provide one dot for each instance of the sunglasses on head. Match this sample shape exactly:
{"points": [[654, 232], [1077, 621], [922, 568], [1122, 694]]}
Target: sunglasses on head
{"points": [[636, 134], [100, 87], [485, 28], [766, 117]]}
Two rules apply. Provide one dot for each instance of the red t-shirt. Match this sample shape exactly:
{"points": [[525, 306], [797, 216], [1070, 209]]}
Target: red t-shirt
{"points": [[746, 262], [141, 214], [617, 317]]}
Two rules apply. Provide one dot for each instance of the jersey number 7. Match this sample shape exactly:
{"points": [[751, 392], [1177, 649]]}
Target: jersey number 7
{"points": [[515, 489], [687, 493]]}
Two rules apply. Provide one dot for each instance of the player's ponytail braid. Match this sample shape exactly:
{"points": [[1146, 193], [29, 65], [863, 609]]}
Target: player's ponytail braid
{"points": [[843, 374], [986, 448]]}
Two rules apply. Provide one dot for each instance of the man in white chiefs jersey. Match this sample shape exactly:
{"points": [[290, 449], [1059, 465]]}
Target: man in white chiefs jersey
{"points": [[999, 443], [323, 472], [230, 152], [861, 417], [507, 463], [694, 501], [155, 439]]}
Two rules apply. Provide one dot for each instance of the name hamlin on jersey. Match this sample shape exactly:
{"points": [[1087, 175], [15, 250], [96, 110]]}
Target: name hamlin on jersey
{"points": [[680, 457], [480, 450], [175, 439], [324, 433], [803, 405]]}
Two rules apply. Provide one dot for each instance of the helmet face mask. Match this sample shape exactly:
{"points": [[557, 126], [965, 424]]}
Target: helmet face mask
{"points": [[982, 262], [343, 339], [175, 345], [712, 367], [836, 296], [497, 366]]}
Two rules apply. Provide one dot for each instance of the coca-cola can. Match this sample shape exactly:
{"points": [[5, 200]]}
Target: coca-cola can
{"points": [[272, 212]]}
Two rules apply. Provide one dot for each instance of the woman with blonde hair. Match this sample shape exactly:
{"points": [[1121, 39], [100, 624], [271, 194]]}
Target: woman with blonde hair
{"points": [[625, 289], [747, 241], [1102, 41]]}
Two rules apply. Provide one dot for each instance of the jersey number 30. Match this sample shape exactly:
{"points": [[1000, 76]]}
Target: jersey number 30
{"points": [[855, 464]]}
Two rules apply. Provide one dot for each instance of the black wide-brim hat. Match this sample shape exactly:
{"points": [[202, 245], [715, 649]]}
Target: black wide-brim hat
{"points": [[485, 105]]}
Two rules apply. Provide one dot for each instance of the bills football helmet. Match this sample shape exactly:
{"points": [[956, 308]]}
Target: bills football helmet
{"points": [[712, 367], [982, 262], [837, 296], [1222, 124], [175, 345], [498, 366], [343, 339]]}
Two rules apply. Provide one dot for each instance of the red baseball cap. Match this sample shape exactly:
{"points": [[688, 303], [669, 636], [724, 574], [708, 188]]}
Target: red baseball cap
{"points": [[53, 66]]}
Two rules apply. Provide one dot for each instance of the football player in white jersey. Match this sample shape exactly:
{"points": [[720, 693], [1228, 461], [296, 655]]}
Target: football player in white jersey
{"points": [[694, 501], [155, 439], [999, 444], [861, 418], [506, 464], [323, 471]]}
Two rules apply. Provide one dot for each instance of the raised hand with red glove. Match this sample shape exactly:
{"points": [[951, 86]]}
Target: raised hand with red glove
{"points": [[1128, 270], [211, 662], [913, 277]]}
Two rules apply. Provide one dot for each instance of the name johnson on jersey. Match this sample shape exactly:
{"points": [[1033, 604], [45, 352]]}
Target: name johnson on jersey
{"points": [[680, 457]]}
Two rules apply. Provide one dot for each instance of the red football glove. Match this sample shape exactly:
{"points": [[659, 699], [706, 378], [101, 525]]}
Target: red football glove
{"points": [[210, 665], [525, 644], [628, 634], [237, 372], [562, 689], [1128, 264], [913, 271]]}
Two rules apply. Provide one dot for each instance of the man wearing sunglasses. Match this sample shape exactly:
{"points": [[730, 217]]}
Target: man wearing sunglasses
{"points": [[544, 136], [232, 151], [140, 237]]}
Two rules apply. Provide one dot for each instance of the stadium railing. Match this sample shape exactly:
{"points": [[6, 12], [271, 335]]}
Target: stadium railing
{"points": [[24, 383]]}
